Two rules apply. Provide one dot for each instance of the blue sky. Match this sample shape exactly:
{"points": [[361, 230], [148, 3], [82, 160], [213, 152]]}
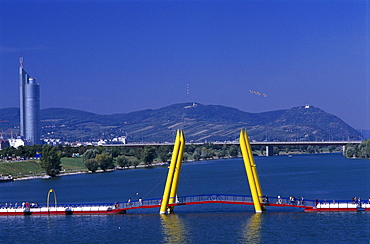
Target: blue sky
{"points": [[121, 56]]}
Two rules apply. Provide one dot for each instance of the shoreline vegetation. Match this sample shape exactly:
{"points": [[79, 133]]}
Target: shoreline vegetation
{"points": [[85, 171], [45, 176], [82, 170], [69, 160]]}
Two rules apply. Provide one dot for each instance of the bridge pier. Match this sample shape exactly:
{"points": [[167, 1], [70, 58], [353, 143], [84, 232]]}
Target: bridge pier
{"points": [[269, 151]]}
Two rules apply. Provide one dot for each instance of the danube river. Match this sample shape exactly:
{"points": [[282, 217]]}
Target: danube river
{"points": [[325, 176]]}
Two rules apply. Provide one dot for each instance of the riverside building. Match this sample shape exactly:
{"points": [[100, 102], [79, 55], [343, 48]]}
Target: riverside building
{"points": [[29, 107]]}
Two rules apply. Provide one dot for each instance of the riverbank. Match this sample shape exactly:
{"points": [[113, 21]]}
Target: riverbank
{"points": [[44, 176], [31, 169], [25, 170]]}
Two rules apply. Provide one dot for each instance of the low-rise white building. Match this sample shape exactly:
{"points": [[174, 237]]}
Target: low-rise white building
{"points": [[121, 139], [53, 142], [16, 142]]}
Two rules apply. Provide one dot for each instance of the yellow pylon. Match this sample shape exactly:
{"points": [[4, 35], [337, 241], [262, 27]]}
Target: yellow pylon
{"points": [[252, 177], [176, 176], [253, 165], [171, 172]]}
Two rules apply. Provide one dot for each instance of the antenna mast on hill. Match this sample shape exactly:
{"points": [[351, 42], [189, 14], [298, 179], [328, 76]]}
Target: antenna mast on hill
{"points": [[187, 92]]}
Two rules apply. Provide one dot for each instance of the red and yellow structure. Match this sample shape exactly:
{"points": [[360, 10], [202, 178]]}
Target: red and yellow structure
{"points": [[169, 194]]}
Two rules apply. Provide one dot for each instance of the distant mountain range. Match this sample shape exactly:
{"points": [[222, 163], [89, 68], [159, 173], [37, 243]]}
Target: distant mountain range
{"points": [[200, 122]]}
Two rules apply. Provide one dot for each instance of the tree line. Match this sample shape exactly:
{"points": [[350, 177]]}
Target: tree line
{"points": [[126, 157], [105, 158], [358, 150]]}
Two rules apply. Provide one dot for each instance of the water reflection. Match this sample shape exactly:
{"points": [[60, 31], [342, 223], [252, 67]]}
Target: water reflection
{"points": [[173, 228], [252, 229]]}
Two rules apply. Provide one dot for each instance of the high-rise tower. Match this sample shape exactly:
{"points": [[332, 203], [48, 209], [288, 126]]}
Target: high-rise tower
{"points": [[29, 107]]}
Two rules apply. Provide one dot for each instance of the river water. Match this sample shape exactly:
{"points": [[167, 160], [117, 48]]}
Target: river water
{"points": [[325, 176]]}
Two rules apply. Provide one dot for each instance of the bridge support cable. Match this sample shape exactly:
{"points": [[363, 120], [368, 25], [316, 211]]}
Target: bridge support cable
{"points": [[170, 182], [155, 187], [250, 168]]}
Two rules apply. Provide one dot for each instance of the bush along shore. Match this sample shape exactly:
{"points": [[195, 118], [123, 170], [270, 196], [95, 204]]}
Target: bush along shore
{"points": [[358, 150]]}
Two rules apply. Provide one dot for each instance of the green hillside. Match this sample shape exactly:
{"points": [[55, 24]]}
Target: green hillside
{"points": [[200, 123]]}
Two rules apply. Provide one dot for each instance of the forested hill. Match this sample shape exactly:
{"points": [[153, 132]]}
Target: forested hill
{"points": [[200, 123]]}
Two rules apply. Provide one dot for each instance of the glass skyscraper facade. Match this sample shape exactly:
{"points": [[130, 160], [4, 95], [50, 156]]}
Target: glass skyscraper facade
{"points": [[29, 107]]}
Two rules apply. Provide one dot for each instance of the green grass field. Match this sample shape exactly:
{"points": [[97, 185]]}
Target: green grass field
{"points": [[72, 164], [21, 168], [32, 167]]}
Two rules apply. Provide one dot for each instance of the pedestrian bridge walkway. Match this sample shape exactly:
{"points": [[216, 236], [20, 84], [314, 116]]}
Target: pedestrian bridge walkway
{"points": [[307, 205], [218, 198], [123, 207]]}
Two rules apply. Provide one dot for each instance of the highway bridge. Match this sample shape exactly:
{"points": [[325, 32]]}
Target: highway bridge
{"points": [[268, 144]]}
